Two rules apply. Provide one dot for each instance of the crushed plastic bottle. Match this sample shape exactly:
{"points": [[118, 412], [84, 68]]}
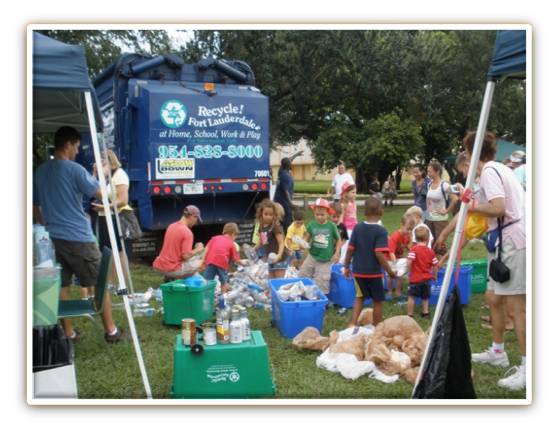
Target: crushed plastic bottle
{"points": [[144, 312], [158, 295]]}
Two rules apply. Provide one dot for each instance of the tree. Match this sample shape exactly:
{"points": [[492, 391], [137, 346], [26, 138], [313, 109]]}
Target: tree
{"points": [[380, 146]]}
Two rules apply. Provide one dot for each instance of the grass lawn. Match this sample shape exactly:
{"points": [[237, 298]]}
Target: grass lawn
{"points": [[295, 373], [321, 186]]}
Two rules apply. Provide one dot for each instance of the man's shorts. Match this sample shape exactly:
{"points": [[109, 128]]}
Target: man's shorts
{"points": [[81, 259], [515, 260], [370, 288], [212, 270], [420, 290]]}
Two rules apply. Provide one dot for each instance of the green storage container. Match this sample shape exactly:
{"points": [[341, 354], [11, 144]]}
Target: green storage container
{"points": [[46, 294], [181, 301], [223, 371], [479, 279]]}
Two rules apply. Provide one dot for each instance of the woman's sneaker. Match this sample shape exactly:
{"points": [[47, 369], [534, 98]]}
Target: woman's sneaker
{"points": [[514, 378], [498, 359]]}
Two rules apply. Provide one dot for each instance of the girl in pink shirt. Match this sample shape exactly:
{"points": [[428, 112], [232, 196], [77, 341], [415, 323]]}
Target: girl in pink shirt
{"points": [[348, 204]]}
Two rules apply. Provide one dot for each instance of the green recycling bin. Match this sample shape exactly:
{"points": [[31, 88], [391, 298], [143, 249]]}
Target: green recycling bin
{"points": [[182, 301], [46, 294], [479, 277], [223, 370]]}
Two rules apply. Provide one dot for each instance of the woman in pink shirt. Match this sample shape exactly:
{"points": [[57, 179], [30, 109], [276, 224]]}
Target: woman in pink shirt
{"points": [[501, 200]]}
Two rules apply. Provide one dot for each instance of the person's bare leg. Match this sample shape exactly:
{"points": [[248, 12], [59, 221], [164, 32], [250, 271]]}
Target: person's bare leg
{"points": [[425, 306], [497, 312], [509, 308], [518, 304], [397, 287], [225, 288], [357, 308], [377, 313], [410, 305], [106, 315], [66, 323], [389, 286]]}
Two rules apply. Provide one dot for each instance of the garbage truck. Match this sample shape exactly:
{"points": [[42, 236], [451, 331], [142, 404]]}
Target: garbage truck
{"points": [[186, 133]]}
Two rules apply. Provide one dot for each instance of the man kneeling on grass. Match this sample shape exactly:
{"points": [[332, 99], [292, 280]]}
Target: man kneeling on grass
{"points": [[367, 248]]}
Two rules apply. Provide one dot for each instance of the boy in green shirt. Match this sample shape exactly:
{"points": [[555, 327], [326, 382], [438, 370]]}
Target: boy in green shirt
{"points": [[325, 243]]}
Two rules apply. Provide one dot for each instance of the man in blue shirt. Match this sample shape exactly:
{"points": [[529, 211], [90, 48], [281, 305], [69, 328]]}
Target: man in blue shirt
{"points": [[59, 187]]}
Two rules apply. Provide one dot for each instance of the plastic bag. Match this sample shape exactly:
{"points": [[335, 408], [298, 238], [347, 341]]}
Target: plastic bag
{"points": [[399, 361], [366, 317], [351, 368], [354, 346], [328, 361], [397, 325], [447, 369], [378, 353], [400, 267], [310, 339], [411, 375], [414, 347], [476, 225]]}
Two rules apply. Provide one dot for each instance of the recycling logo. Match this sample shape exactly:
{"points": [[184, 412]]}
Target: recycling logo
{"points": [[173, 113], [234, 377]]}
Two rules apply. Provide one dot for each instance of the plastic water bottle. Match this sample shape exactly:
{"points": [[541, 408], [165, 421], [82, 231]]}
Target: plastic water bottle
{"points": [[144, 312], [247, 334], [44, 251], [158, 295], [236, 328]]}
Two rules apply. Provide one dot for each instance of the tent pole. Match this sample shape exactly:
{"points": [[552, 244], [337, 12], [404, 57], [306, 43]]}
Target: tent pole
{"points": [[471, 175], [113, 242]]}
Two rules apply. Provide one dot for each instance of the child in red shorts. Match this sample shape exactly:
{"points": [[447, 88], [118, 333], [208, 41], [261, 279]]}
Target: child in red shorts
{"points": [[423, 266]]}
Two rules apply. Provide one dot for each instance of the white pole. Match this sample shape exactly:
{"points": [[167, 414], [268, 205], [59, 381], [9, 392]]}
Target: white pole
{"points": [[471, 175], [113, 242]]}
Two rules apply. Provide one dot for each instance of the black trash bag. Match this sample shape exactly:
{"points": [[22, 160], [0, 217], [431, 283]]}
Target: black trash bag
{"points": [[51, 348], [447, 372]]}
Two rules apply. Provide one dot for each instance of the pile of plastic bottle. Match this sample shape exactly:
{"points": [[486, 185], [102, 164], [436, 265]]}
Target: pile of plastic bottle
{"points": [[297, 291], [248, 287]]}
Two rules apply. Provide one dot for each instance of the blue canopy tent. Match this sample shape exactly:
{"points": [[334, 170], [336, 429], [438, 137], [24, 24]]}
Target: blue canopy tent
{"points": [[60, 79], [509, 60], [63, 96]]}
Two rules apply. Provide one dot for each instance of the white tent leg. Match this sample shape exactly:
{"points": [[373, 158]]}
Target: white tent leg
{"points": [[113, 241], [471, 175]]}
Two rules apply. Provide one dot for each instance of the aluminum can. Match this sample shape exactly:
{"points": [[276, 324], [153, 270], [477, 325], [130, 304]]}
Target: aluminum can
{"points": [[209, 334], [189, 334]]}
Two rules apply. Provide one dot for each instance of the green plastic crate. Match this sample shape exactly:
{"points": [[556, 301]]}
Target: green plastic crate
{"points": [[181, 301], [223, 371], [479, 278]]}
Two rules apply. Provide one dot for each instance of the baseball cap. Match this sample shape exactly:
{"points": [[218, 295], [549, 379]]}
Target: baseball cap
{"points": [[322, 202], [518, 156], [193, 210], [346, 187]]}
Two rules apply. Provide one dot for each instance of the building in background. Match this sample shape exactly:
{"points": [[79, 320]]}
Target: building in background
{"points": [[303, 166]]}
